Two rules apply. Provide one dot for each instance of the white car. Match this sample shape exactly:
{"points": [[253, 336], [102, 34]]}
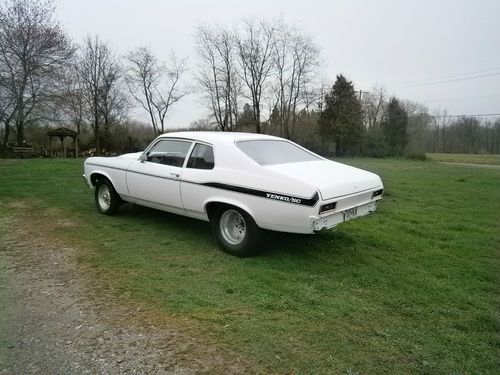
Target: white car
{"points": [[240, 182]]}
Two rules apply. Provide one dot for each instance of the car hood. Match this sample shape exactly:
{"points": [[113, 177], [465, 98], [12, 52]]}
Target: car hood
{"points": [[132, 155], [331, 178]]}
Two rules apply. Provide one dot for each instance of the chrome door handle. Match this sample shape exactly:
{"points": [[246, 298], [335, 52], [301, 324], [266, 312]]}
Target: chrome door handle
{"points": [[175, 175]]}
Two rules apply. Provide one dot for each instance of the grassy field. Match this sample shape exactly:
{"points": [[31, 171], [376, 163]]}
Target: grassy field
{"points": [[411, 289], [466, 158], [3, 297]]}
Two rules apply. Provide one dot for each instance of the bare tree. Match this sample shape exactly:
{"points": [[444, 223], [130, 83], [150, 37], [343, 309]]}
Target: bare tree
{"points": [[103, 97], [255, 50], [374, 104], [218, 76], [71, 100], [495, 145], [202, 124], [295, 62], [441, 121], [155, 85], [468, 131], [490, 136], [7, 111], [419, 124], [33, 50], [114, 101]]}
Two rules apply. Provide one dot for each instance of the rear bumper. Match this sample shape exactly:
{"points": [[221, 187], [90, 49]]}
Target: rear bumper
{"points": [[336, 218]]}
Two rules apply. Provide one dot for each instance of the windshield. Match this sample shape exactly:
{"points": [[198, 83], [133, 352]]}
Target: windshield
{"points": [[272, 152]]}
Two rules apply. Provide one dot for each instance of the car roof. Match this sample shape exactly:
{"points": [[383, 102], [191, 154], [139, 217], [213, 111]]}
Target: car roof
{"points": [[218, 137]]}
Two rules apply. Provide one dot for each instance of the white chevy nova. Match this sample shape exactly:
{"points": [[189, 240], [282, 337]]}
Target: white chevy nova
{"points": [[240, 182]]}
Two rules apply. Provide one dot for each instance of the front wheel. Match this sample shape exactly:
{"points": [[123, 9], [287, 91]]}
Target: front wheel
{"points": [[107, 199], [236, 231]]}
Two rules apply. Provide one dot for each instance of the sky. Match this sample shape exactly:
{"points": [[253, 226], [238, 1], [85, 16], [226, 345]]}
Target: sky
{"points": [[442, 53]]}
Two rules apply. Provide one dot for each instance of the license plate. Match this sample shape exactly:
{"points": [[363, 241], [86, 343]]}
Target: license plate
{"points": [[350, 213]]}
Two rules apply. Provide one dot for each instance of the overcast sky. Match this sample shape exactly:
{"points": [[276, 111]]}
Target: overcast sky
{"points": [[407, 46]]}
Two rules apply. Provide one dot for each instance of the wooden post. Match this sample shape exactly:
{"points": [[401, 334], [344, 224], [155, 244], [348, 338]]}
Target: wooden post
{"points": [[62, 146], [50, 146]]}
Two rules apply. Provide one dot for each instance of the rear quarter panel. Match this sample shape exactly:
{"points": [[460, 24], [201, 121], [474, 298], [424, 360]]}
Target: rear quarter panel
{"points": [[267, 213]]}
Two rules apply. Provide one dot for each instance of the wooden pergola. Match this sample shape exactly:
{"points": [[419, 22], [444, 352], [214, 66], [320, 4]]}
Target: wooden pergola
{"points": [[63, 133]]}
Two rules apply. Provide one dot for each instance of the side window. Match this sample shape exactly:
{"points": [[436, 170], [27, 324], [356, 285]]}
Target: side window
{"points": [[169, 152], [202, 157]]}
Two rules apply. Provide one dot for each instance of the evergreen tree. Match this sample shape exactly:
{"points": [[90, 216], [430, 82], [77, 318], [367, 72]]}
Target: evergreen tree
{"points": [[341, 118], [394, 127]]}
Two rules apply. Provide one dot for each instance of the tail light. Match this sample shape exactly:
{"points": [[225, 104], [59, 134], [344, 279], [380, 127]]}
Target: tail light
{"points": [[327, 207], [377, 193]]}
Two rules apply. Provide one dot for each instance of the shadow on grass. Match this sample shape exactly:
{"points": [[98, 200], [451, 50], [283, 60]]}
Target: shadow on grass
{"points": [[157, 219], [274, 244], [328, 241]]}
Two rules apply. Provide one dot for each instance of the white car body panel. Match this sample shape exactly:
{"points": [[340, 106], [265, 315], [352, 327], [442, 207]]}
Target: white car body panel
{"points": [[332, 179], [148, 182], [283, 197]]}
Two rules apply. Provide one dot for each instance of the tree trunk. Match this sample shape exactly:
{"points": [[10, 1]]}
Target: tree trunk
{"points": [[20, 122], [257, 119], [77, 145], [6, 134], [96, 134], [20, 133], [107, 135]]}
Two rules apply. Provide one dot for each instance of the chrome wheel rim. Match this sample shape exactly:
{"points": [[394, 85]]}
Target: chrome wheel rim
{"points": [[104, 197], [233, 227]]}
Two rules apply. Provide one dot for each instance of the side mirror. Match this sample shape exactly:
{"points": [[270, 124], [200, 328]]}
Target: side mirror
{"points": [[143, 157]]}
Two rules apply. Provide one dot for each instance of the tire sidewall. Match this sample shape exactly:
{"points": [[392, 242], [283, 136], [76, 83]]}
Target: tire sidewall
{"points": [[115, 199], [252, 236]]}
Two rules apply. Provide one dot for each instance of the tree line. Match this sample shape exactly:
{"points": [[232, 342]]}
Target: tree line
{"points": [[46, 80], [259, 75]]}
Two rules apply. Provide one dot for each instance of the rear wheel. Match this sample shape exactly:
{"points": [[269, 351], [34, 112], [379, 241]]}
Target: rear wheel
{"points": [[236, 231], [107, 199]]}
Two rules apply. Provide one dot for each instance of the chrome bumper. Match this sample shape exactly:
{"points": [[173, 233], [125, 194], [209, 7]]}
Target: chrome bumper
{"points": [[335, 218]]}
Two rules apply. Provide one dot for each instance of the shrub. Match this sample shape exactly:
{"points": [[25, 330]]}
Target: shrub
{"points": [[416, 156]]}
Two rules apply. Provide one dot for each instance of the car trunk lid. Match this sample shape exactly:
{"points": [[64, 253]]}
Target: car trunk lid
{"points": [[331, 178]]}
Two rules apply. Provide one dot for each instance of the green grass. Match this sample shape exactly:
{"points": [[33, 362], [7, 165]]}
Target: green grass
{"points": [[466, 158], [4, 324], [411, 289]]}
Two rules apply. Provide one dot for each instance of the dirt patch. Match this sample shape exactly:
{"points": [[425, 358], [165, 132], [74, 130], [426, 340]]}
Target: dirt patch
{"points": [[18, 205], [56, 319]]}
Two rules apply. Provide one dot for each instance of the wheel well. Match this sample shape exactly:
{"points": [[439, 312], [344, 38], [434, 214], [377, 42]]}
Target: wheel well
{"points": [[212, 207], [96, 177]]}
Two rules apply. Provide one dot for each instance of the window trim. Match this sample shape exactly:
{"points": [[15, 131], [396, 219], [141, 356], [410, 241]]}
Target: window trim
{"points": [[191, 153], [189, 150]]}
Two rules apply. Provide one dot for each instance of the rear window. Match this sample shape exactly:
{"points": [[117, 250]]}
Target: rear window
{"points": [[202, 157], [274, 152]]}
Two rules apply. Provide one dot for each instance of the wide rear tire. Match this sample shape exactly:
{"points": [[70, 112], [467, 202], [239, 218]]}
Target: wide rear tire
{"points": [[236, 231]]}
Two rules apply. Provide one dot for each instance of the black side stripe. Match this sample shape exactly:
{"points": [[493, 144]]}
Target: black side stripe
{"points": [[311, 202]]}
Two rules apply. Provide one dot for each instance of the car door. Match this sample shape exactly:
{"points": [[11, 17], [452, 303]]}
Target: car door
{"points": [[154, 180]]}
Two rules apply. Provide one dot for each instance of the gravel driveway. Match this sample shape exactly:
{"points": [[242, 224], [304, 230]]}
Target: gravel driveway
{"points": [[55, 319]]}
